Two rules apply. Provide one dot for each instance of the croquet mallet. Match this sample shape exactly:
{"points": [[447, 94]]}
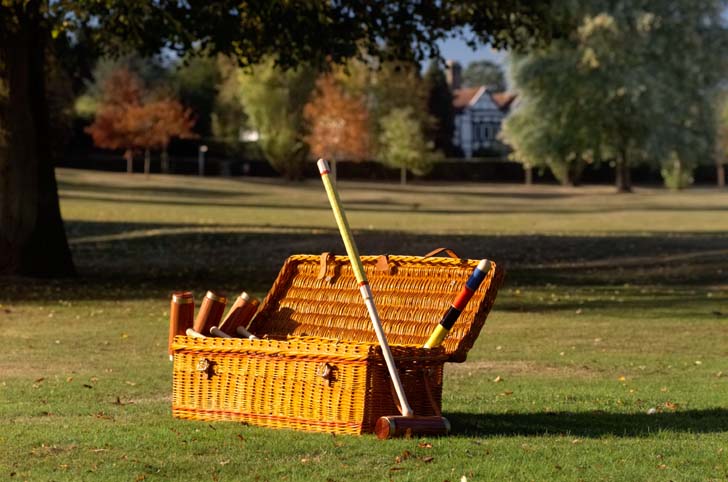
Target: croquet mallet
{"points": [[457, 306], [408, 423]]}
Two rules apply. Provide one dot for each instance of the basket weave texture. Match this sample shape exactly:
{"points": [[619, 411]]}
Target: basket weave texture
{"points": [[318, 366]]}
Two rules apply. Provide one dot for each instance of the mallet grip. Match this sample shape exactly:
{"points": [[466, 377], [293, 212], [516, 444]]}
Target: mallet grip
{"points": [[456, 308], [245, 333], [215, 331], [192, 333]]}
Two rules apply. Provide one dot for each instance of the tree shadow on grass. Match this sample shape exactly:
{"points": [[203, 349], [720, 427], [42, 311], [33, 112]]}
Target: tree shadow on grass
{"points": [[129, 260], [210, 199], [102, 192], [590, 424]]}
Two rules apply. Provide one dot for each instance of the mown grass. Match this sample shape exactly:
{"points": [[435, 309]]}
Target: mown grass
{"points": [[604, 357]]}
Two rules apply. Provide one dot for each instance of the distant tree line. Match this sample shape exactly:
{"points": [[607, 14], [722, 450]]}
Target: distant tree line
{"points": [[343, 112]]}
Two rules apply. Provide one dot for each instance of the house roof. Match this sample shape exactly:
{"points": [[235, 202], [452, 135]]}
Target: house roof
{"points": [[467, 96], [503, 99]]}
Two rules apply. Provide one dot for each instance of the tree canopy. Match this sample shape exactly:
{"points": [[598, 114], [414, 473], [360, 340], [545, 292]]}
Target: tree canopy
{"points": [[484, 72], [440, 108], [131, 119], [338, 122], [629, 83], [274, 100], [402, 143], [32, 237]]}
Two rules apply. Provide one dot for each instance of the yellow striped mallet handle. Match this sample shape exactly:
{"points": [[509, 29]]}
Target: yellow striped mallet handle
{"points": [[364, 288]]}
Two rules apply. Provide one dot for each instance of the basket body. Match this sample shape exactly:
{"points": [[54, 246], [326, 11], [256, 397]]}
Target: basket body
{"points": [[318, 366]]}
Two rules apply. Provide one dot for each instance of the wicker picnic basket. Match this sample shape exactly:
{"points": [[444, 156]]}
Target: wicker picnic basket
{"points": [[318, 366]]}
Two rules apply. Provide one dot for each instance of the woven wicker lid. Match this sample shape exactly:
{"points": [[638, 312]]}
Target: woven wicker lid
{"points": [[317, 295]]}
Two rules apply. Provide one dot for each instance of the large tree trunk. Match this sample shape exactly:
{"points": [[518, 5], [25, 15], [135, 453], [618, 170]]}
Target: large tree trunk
{"points": [[720, 174], [623, 179], [32, 239]]}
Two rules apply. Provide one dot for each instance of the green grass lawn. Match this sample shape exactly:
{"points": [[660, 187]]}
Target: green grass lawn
{"points": [[605, 357]]}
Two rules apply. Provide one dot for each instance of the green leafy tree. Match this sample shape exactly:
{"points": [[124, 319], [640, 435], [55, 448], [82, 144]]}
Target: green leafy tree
{"points": [[440, 108], [629, 83], [32, 237], [196, 82], [484, 72], [228, 117], [397, 84], [402, 143], [721, 151], [274, 100]]}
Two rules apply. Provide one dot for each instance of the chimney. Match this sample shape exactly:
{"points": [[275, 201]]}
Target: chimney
{"points": [[454, 74]]}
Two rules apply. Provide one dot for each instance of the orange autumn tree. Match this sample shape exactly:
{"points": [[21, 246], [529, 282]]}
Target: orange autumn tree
{"points": [[338, 122], [128, 119]]}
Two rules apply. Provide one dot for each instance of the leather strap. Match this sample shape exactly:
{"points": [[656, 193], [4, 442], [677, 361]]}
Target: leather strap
{"points": [[437, 251], [326, 258], [383, 265]]}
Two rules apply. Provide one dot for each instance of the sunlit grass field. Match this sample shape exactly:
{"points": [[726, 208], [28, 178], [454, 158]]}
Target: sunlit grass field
{"points": [[605, 356]]}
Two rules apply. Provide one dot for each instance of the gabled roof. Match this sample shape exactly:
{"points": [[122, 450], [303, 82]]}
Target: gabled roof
{"points": [[467, 96], [503, 99]]}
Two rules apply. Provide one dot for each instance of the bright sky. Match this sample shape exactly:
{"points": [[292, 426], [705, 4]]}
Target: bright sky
{"points": [[456, 49]]}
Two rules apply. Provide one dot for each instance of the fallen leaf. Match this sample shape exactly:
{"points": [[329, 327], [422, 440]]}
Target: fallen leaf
{"points": [[424, 445], [427, 459], [507, 393], [225, 462], [404, 456], [622, 378], [497, 379], [670, 405]]}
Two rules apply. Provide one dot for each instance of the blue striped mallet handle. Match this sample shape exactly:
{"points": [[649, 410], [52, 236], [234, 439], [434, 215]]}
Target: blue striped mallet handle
{"points": [[457, 307]]}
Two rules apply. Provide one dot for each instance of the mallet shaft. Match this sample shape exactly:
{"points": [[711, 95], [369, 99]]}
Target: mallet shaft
{"points": [[364, 288]]}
